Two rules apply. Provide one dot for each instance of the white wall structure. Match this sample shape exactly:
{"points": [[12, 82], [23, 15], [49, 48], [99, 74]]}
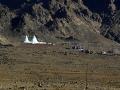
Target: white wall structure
{"points": [[42, 42], [27, 40]]}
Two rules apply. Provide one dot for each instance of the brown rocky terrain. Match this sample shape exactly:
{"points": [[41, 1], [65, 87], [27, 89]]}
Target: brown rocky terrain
{"points": [[60, 20], [82, 56]]}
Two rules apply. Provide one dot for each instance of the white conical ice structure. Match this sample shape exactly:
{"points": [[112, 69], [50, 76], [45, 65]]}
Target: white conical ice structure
{"points": [[34, 40], [26, 39]]}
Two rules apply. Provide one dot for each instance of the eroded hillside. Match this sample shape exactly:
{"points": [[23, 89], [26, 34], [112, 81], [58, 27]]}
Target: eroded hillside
{"points": [[59, 20]]}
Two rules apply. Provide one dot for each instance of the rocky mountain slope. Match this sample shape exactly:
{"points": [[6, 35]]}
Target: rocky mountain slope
{"points": [[60, 20]]}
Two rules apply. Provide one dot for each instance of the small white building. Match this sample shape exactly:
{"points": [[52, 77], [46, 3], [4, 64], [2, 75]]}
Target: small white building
{"points": [[104, 52]]}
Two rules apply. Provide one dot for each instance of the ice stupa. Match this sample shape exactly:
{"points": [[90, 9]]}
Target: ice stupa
{"points": [[34, 40], [27, 40]]}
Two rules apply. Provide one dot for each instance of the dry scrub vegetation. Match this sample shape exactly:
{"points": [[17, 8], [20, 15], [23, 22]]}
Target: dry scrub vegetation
{"points": [[31, 67]]}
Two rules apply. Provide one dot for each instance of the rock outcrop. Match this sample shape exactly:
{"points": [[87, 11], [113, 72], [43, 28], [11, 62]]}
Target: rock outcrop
{"points": [[59, 19]]}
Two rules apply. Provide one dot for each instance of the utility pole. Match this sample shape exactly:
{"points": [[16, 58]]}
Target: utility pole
{"points": [[86, 77]]}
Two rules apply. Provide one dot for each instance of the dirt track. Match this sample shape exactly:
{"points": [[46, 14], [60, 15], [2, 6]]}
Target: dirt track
{"points": [[54, 68]]}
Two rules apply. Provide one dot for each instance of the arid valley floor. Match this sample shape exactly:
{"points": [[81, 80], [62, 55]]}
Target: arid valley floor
{"points": [[55, 68]]}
